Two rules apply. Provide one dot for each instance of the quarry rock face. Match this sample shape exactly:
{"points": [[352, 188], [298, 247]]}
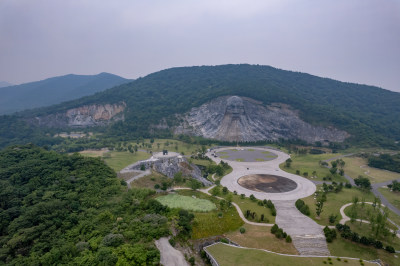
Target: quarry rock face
{"points": [[233, 118], [83, 116], [169, 167]]}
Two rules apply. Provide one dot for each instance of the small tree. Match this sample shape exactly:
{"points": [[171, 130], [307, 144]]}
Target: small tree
{"points": [[288, 163], [288, 239], [194, 184], [319, 206]]}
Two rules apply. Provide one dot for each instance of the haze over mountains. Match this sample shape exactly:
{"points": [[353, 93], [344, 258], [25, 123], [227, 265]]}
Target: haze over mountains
{"points": [[54, 90], [5, 84]]}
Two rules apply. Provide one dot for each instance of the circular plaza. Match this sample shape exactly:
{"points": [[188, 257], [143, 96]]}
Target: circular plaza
{"points": [[256, 172]]}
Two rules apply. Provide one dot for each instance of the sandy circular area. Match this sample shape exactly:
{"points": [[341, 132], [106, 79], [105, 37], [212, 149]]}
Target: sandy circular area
{"points": [[267, 183]]}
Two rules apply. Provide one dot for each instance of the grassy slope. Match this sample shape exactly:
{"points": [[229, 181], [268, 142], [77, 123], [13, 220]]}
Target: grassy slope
{"points": [[392, 197], [352, 168], [260, 237], [310, 163], [228, 255], [209, 224], [334, 202], [247, 204], [346, 248]]}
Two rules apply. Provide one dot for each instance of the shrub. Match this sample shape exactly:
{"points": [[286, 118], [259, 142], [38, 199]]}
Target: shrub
{"points": [[224, 240], [273, 212], [242, 196], [192, 261], [279, 233], [274, 228], [348, 185], [242, 230], [172, 242], [288, 239], [270, 205], [252, 198], [378, 244], [390, 249], [156, 186]]}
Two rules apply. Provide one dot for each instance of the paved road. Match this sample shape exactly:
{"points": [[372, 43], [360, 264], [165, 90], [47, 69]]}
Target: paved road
{"points": [[374, 186], [169, 255], [307, 235]]}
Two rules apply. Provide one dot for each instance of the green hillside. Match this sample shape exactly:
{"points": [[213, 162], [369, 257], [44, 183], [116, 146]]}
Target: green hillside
{"points": [[54, 90], [370, 114]]}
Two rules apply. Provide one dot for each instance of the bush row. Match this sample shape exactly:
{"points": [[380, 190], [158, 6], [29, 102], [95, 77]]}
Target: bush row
{"points": [[346, 233], [279, 233], [302, 207]]}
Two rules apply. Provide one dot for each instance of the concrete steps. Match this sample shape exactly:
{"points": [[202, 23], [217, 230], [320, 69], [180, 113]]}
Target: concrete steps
{"points": [[307, 235]]}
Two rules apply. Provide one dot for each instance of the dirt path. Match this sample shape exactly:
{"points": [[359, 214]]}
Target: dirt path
{"points": [[169, 255]]}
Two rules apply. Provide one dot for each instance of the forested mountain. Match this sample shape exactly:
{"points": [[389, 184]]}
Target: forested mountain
{"points": [[4, 84], [54, 90], [71, 210], [369, 114]]}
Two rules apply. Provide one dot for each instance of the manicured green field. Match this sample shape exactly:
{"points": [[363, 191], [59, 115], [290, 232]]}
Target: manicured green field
{"points": [[356, 166], [228, 255], [186, 203], [334, 202]]}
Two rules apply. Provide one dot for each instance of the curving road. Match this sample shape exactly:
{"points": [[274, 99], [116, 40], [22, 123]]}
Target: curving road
{"points": [[374, 186], [307, 235]]}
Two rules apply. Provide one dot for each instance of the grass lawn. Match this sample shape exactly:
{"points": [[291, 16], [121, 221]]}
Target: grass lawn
{"points": [[310, 163], [345, 248], [118, 160], [246, 204], [353, 169], [260, 237], [392, 197], [334, 202], [209, 223], [228, 255], [367, 211], [187, 203]]}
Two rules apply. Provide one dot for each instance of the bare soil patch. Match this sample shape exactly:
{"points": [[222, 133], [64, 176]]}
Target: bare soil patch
{"points": [[267, 183]]}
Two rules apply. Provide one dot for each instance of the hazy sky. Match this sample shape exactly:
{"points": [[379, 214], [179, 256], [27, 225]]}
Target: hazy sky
{"points": [[349, 40]]}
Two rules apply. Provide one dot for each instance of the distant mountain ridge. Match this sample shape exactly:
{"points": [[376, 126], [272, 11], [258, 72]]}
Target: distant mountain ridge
{"points": [[5, 84], [55, 90], [158, 104]]}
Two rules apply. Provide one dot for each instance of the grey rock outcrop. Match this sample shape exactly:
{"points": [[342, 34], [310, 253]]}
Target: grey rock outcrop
{"points": [[233, 118], [170, 166], [83, 116]]}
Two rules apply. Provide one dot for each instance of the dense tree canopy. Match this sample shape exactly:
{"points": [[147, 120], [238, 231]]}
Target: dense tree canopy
{"points": [[60, 209]]}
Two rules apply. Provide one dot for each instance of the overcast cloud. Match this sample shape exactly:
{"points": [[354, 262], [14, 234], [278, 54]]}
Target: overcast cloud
{"points": [[349, 40]]}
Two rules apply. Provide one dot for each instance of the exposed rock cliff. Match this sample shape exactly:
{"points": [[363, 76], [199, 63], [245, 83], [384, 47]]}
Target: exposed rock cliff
{"points": [[232, 118], [170, 166], [84, 116]]}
